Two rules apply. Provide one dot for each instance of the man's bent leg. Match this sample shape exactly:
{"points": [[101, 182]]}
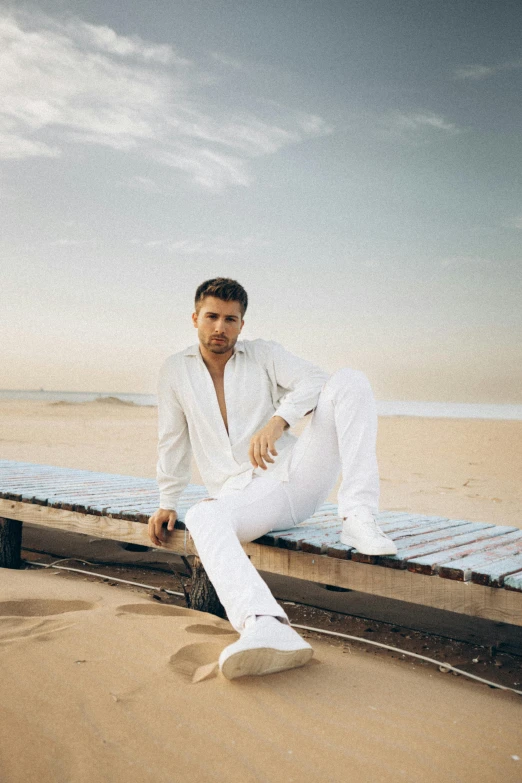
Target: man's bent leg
{"points": [[339, 439], [342, 438]]}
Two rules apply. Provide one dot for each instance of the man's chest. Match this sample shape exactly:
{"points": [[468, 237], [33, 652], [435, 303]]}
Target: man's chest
{"points": [[242, 394]]}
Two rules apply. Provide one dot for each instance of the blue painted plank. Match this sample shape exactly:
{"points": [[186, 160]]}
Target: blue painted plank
{"points": [[428, 564], [425, 543], [514, 581], [494, 574], [462, 568]]}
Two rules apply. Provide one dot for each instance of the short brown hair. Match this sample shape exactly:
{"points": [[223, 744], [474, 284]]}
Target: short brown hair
{"points": [[222, 288]]}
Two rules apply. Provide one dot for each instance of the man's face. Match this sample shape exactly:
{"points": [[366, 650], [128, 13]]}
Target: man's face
{"points": [[219, 324]]}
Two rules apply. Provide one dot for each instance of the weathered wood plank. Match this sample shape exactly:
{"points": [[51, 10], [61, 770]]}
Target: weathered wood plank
{"points": [[97, 526], [463, 567], [494, 574], [429, 564], [462, 597], [443, 540], [514, 581]]}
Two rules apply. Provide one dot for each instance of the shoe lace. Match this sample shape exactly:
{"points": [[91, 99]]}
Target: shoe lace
{"points": [[371, 525]]}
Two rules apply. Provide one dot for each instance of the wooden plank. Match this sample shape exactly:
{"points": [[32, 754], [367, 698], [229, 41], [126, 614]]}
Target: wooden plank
{"points": [[428, 564], [514, 582], [462, 597], [463, 567], [293, 538], [96, 526], [443, 540], [494, 574]]}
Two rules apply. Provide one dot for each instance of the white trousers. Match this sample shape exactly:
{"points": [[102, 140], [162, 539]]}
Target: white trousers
{"points": [[339, 439]]}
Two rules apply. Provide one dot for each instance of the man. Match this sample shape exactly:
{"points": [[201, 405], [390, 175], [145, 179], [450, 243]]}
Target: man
{"points": [[230, 403]]}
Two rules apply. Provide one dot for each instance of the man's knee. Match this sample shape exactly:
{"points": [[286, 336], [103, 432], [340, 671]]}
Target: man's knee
{"points": [[354, 381]]}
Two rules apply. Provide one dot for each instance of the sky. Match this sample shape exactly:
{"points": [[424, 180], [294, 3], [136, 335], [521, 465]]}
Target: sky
{"points": [[355, 164]]}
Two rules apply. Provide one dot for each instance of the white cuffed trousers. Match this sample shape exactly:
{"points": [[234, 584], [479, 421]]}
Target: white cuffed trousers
{"points": [[339, 439]]}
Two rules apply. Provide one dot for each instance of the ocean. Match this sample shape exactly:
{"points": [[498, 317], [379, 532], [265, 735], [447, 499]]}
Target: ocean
{"points": [[438, 410]]}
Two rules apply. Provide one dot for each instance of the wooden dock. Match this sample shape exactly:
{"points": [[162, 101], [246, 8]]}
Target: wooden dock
{"points": [[467, 567]]}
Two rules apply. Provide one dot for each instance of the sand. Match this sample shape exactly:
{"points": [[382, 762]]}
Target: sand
{"points": [[104, 684], [100, 685]]}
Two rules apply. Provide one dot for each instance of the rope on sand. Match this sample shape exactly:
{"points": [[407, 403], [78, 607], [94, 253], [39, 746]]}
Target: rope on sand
{"points": [[442, 665]]}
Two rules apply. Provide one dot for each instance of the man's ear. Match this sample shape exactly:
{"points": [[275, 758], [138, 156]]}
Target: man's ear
{"points": [[195, 319], [242, 324]]}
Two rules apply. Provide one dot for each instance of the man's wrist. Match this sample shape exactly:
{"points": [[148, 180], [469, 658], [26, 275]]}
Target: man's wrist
{"points": [[280, 422]]}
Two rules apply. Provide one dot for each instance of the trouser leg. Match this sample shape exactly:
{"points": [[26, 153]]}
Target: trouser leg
{"points": [[341, 438], [219, 526]]}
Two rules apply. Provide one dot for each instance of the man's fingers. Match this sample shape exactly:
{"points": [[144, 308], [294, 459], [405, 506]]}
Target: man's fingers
{"points": [[257, 455], [157, 533], [153, 537], [265, 453]]}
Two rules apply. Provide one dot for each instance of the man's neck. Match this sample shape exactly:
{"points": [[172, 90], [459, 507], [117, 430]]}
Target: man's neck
{"points": [[215, 362]]}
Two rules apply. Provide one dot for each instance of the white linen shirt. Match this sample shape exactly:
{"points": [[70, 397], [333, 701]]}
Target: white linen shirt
{"points": [[261, 380]]}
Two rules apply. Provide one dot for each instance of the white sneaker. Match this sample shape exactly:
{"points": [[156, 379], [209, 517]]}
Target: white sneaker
{"points": [[361, 531], [266, 646]]}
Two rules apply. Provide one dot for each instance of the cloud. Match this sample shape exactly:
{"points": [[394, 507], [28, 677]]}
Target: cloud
{"points": [[65, 83], [477, 71], [209, 247], [416, 121], [413, 127], [102, 37]]}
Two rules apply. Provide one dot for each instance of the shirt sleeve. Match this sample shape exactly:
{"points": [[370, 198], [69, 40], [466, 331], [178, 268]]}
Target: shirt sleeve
{"points": [[302, 381], [174, 452]]}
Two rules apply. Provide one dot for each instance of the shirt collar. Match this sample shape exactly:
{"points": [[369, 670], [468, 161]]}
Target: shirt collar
{"points": [[193, 350]]}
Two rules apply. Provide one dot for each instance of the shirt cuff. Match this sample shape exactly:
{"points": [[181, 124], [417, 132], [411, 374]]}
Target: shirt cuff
{"points": [[168, 503], [288, 412]]}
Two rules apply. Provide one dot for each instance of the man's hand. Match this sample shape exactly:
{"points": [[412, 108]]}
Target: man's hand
{"points": [[156, 533], [262, 444]]}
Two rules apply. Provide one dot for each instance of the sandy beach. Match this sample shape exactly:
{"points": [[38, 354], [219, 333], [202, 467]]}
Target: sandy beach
{"points": [[104, 684]]}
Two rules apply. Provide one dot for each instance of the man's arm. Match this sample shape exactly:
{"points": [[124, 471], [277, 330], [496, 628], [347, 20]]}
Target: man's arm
{"points": [[174, 452], [301, 378], [304, 382]]}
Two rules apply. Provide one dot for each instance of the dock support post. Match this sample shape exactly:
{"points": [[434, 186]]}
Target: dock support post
{"points": [[10, 543], [203, 596]]}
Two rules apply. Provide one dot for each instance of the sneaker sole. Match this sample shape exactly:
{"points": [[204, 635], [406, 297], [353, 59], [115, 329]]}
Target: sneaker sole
{"points": [[384, 551], [264, 660]]}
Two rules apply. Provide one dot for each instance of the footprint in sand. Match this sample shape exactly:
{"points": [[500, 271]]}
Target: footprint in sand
{"points": [[196, 662], [158, 610], [39, 607], [210, 630]]}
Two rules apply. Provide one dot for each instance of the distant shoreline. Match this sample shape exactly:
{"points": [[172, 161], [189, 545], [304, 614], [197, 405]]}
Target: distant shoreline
{"points": [[438, 410]]}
